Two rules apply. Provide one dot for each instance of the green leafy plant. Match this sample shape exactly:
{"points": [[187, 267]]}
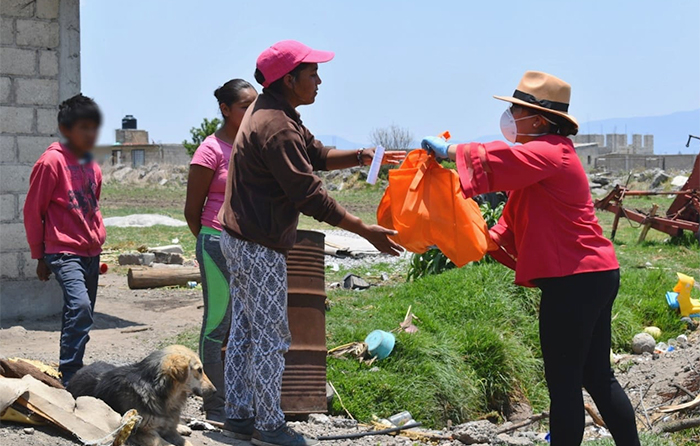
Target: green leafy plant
{"points": [[434, 261], [206, 128]]}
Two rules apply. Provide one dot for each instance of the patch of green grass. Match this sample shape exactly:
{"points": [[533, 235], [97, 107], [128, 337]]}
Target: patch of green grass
{"points": [[189, 338], [476, 348], [130, 239]]}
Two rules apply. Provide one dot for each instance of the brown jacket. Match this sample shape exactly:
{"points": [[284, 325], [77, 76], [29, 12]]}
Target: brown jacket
{"points": [[270, 176]]}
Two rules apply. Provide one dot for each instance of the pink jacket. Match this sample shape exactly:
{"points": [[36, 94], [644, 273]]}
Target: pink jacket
{"points": [[61, 213], [549, 227]]}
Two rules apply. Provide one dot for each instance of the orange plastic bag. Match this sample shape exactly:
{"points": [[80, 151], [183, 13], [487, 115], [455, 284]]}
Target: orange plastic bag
{"points": [[425, 205]]}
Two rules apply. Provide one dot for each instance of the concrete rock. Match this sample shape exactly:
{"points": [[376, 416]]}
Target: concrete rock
{"points": [[475, 432], [512, 441], [169, 258], [319, 418], [659, 179], [136, 258], [177, 249], [643, 342]]}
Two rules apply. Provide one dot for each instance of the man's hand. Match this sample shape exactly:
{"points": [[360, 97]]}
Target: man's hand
{"points": [[390, 156], [42, 270], [379, 237]]}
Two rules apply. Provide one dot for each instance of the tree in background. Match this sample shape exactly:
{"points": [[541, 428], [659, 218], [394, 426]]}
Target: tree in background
{"points": [[199, 134], [392, 137]]}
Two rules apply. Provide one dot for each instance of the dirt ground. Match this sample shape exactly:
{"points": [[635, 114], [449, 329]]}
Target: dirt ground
{"points": [[165, 313]]}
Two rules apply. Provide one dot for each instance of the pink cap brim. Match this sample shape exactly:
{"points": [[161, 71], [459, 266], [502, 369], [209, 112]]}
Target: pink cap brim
{"points": [[318, 56]]}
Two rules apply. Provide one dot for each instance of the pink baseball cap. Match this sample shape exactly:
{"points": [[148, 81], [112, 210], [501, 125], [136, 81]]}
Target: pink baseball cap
{"points": [[284, 56]]}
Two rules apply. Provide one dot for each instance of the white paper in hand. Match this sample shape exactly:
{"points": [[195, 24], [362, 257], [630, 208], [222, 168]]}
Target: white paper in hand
{"points": [[376, 165]]}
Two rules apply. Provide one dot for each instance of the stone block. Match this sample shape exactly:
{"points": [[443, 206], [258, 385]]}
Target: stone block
{"points": [[48, 63], [9, 265], [36, 33], [7, 31], [27, 265], [29, 299], [18, 61], [21, 198], [36, 91], [16, 119], [136, 258], [169, 258], [8, 209], [8, 154], [31, 147], [14, 178], [12, 237], [46, 9], [46, 121], [5, 90], [17, 8]]}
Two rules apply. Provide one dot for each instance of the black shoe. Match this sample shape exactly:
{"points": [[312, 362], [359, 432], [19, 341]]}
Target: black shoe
{"points": [[282, 436], [239, 429]]}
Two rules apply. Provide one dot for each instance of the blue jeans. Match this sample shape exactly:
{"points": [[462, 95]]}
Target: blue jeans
{"points": [[78, 278]]}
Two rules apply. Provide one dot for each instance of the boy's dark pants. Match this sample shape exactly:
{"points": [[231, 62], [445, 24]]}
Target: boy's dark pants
{"points": [[78, 278]]}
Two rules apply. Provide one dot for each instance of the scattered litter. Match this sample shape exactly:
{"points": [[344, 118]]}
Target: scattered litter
{"points": [[143, 221], [654, 331], [199, 425], [173, 249], [355, 282], [175, 240], [19, 367], [355, 349], [88, 419], [677, 407], [407, 325], [380, 343], [679, 181], [333, 266], [104, 268], [135, 330]]}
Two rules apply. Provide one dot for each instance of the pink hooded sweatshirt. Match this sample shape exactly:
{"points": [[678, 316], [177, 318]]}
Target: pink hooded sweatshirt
{"points": [[61, 213]]}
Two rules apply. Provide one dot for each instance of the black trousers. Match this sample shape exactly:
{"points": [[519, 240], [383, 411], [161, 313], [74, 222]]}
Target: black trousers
{"points": [[575, 316]]}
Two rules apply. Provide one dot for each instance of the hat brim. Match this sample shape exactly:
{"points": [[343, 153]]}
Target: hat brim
{"points": [[318, 56], [538, 107]]}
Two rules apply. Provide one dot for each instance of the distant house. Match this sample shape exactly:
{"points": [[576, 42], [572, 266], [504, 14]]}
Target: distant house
{"points": [[132, 148], [589, 147]]}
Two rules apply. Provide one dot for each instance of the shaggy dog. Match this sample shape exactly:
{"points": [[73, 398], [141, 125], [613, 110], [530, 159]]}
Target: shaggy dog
{"points": [[157, 387]]}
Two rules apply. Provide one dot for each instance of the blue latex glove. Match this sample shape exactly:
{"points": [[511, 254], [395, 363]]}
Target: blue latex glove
{"points": [[436, 145]]}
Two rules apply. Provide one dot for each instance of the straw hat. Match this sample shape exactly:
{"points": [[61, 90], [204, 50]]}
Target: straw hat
{"points": [[542, 91]]}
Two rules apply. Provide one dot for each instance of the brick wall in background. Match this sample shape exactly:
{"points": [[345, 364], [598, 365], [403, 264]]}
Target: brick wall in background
{"points": [[39, 68]]}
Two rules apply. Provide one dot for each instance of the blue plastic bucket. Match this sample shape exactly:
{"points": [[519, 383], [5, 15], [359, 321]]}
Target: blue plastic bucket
{"points": [[380, 343]]}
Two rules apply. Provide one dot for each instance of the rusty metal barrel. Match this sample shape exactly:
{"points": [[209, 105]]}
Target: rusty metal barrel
{"points": [[304, 378]]}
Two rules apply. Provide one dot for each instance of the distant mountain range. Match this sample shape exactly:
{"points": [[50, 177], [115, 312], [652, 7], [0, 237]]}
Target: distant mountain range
{"points": [[670, 131]]}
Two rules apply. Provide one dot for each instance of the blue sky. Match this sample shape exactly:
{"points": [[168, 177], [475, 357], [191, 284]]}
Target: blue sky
{"points": [[428, 66]]}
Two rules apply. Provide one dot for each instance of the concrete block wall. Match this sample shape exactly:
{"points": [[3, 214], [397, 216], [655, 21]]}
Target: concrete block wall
{"points": [[39, 68]]}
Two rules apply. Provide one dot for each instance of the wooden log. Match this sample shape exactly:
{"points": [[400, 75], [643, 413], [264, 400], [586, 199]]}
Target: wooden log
{"points": [[679, 425], [141, 278], [647, 225]]}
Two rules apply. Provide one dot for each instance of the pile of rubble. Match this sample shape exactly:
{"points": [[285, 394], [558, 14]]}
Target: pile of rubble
{"points": [[150, 174], [655, 180], [169, 255]]}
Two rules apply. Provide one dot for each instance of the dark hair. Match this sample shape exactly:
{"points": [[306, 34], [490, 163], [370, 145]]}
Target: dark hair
{"points": [[77, 108], [230, 92], [278, 85], [561, 126]]}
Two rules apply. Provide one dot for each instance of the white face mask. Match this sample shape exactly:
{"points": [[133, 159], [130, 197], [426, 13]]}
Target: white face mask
{"points": [[510, 129]]}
